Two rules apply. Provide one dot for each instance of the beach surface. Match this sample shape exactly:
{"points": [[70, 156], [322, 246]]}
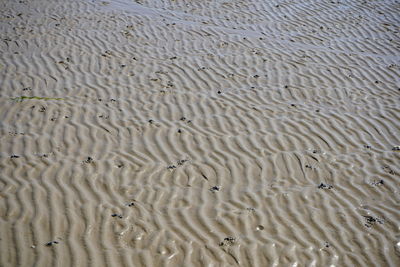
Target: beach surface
{"points": [[199, 133]]}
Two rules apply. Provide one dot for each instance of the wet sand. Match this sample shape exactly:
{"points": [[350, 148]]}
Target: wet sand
{"points": [[199, 133]]}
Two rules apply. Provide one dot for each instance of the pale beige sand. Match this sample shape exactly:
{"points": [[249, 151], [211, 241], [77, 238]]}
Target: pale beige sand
{"points": [[179, 174]]}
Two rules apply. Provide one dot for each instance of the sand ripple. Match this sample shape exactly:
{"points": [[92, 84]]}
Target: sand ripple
{"points": [[199, 133]]}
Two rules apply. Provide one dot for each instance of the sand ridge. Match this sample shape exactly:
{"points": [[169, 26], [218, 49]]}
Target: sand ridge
{"points": [[199, 133]]}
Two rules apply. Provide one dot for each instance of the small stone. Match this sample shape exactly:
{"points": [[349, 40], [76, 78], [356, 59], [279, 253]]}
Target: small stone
{"points": [[215, 188], [228, 241], [88, 160], [370, 221], [181, 162], [377, 183], [325, 186], [48, 244], [388, 169]]}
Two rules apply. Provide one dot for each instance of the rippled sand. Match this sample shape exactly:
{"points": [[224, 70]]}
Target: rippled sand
{"points": [[199, 133]]}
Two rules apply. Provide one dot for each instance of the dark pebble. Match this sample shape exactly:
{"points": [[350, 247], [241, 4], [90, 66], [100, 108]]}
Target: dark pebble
{"points": [[228, 241], [370, 221], [181, 162], [380, 182], [215, 188], [89, 160], [48, 244], [324, 186]]}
